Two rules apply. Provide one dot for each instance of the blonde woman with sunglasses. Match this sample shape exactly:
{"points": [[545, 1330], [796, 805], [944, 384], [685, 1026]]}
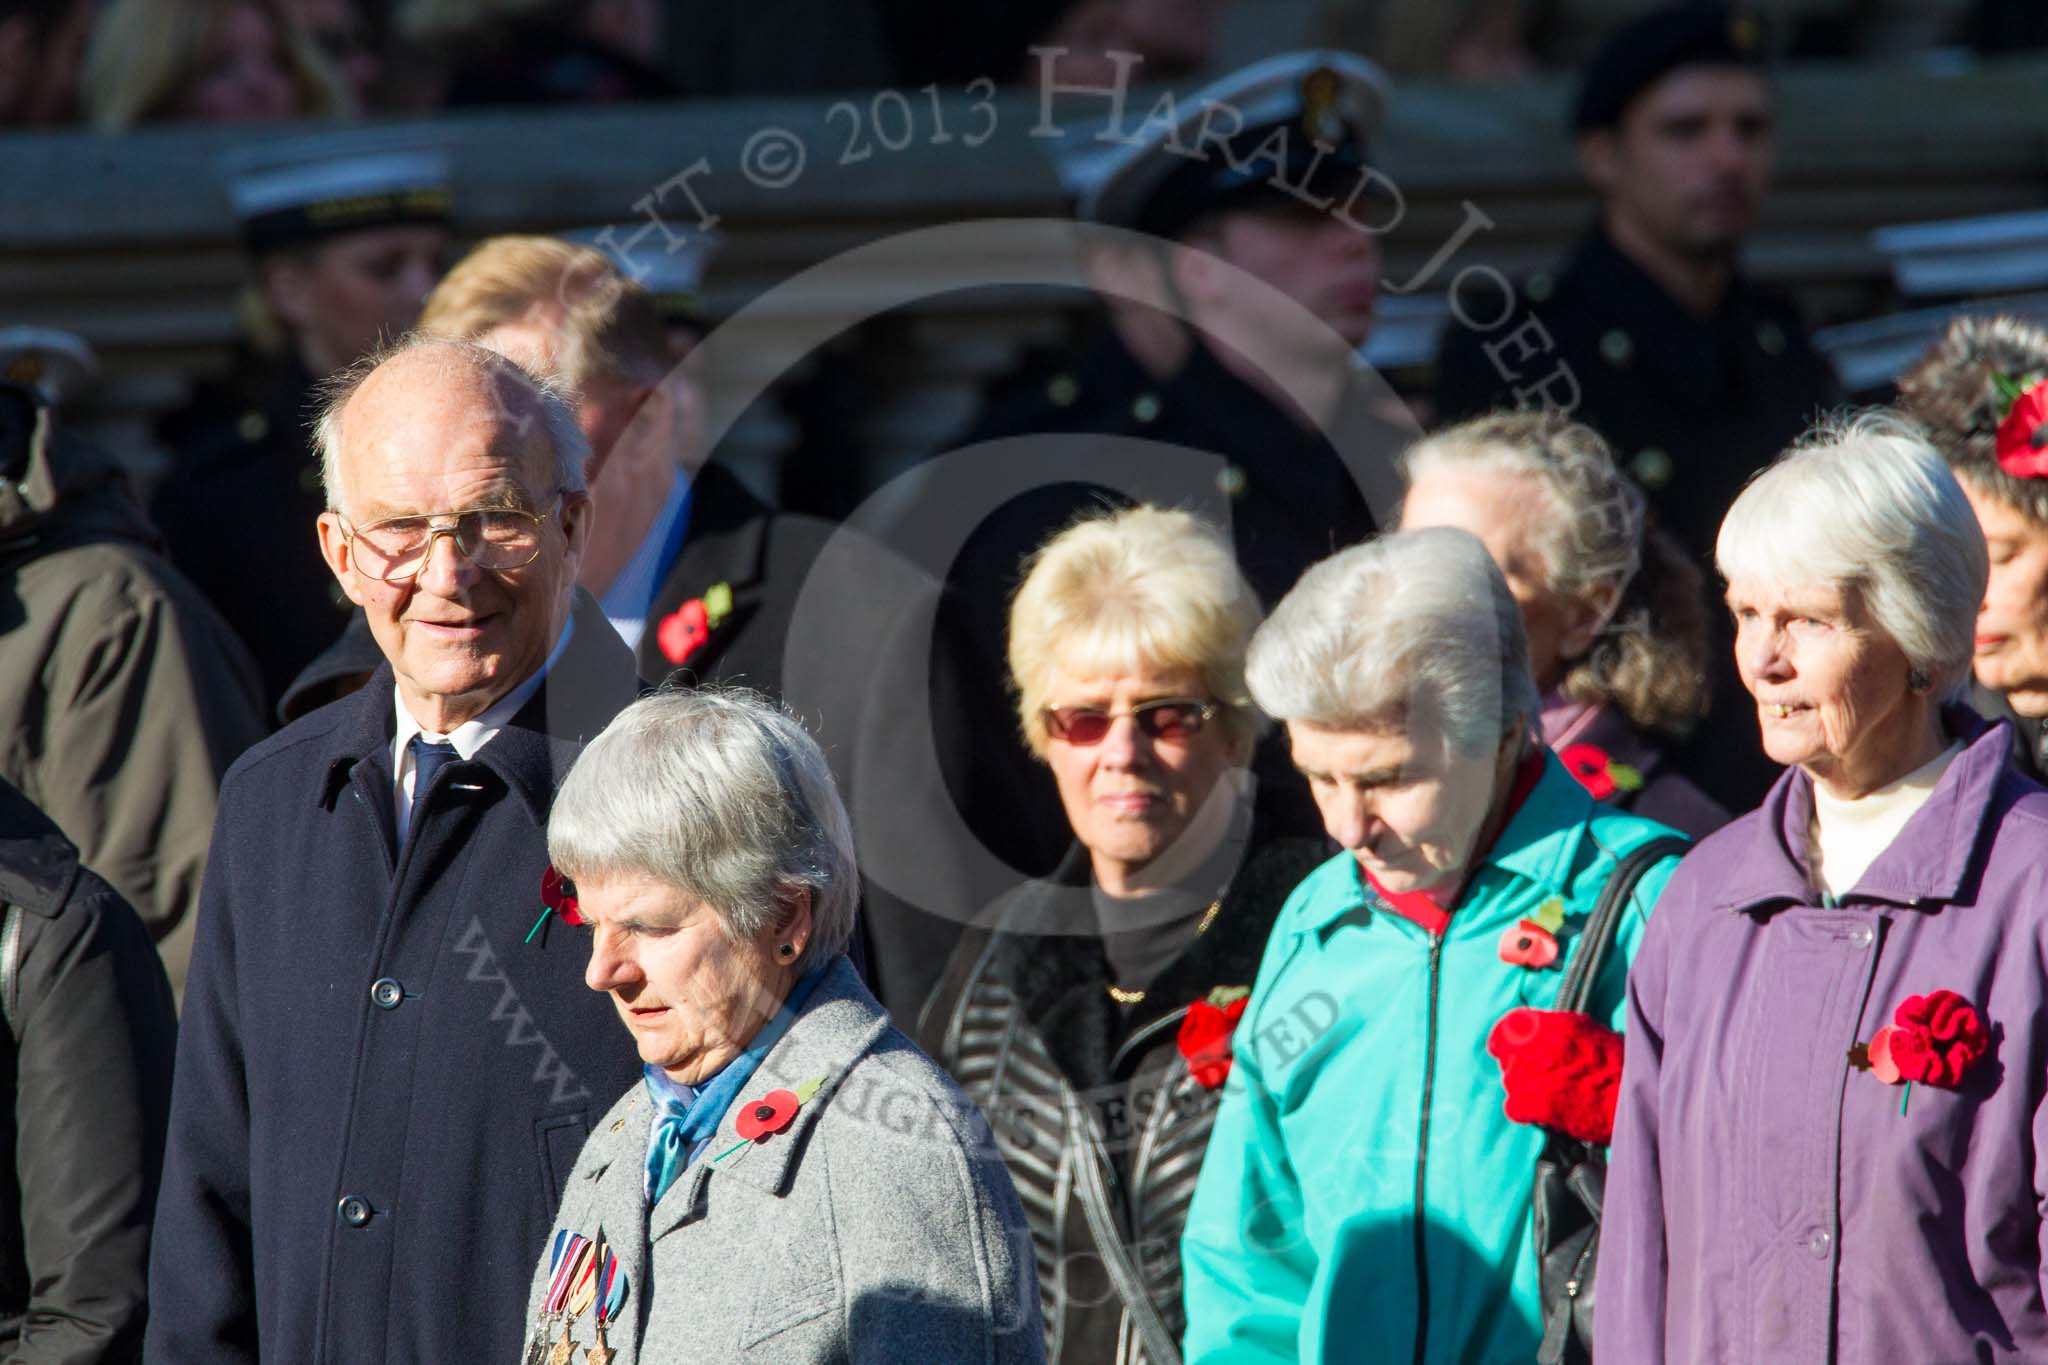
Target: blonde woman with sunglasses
{"points": [[1090, 1020]]}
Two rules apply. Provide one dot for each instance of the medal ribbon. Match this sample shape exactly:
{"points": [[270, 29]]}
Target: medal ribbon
{"points": [[583, 1282], [570, 1255], [611, 1288]]}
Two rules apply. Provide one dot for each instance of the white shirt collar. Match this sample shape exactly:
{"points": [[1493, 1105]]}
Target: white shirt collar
{"points": [[468, 738]]}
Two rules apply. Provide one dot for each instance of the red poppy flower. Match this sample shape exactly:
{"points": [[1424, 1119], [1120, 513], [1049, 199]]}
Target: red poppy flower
{"points": [[769, 1114], [1932, 1039], [1598, 773], [1204, 1040], [1561, 1071], [558, 893], [1528, 945], [683, 631], [2022, 445]]}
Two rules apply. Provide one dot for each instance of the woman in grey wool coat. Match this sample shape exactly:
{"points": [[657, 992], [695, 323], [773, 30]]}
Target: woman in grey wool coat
{"points": [[792, 1180]]}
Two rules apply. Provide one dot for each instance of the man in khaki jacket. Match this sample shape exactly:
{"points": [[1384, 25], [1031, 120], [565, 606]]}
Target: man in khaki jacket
{"points": [[127, 695]]}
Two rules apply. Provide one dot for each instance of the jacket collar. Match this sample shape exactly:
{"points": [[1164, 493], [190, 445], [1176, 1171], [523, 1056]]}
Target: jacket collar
{"points": [[38, 865], [1060, 981], [1540, 844], [1928, 865], [838, 1026], [588, 685]]}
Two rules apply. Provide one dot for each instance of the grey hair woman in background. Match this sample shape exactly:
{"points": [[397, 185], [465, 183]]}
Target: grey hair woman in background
{"points": [[1615, 611], [794, 1180]]}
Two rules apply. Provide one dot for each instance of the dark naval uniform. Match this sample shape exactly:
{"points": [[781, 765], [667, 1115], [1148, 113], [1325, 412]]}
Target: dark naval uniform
{"points": [[382, 1084], [237, 511], [1103, 432], [1693, 406]]}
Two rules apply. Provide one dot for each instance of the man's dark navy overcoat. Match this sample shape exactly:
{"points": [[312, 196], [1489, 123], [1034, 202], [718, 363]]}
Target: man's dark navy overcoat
{"points": [[380, 1088]]}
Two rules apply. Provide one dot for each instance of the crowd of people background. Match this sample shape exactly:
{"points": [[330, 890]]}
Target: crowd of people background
{"points": [[438, 925]]}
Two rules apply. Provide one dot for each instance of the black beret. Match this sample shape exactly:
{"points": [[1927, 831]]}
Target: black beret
{"points": [[1639, 54]]}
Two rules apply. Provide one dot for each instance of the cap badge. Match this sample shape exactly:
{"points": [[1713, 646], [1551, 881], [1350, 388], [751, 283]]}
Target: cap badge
{"points": [[1319, 92]]}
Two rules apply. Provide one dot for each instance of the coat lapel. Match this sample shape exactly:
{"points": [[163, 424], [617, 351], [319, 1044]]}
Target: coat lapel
{"points": [[726, 542], [611, 1208], [839, 1024]]}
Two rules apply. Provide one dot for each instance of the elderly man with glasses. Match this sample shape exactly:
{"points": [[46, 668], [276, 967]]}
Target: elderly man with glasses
{"points": [[387, 1065]]}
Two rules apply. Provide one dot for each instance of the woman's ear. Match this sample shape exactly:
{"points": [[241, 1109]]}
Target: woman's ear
{"points": [[793, 928]]}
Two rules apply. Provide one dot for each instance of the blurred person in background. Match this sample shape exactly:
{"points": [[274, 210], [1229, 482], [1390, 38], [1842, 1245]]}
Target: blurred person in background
{"points": [[1615, 611], [346, 233], [88, 1045], [206, 61], [1977, 394], [512, 52], [347, 34], [1649, 333], [126, 695], [1084, 1013], [696, 574], [1471, 42], [1170, 39], [42, 49]]}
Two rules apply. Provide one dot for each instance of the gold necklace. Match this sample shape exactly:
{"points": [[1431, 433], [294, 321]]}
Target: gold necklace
{"points": [[1124, 997]]}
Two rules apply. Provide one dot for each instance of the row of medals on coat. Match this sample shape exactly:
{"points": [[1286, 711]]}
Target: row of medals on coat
{"points": [[583, 1277]]}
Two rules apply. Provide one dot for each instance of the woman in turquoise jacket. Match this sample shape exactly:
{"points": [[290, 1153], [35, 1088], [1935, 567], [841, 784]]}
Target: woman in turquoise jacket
{"points": [[1366, 1194]]}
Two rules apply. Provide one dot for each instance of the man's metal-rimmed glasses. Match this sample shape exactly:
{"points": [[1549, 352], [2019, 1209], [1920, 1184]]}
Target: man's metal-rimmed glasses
{"points": [[494, 538]]}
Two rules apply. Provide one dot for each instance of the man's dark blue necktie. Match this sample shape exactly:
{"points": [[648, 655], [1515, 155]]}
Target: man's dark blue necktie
{"points": [[427, 759]]}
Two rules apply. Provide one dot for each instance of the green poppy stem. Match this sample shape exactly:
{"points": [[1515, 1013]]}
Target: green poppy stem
{"points": [[1908, 1099], [730, 1150], [537, 924]]}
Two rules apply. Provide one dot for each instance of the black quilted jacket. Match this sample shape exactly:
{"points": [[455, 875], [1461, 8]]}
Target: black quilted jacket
{"points": [[1092, 1105]]}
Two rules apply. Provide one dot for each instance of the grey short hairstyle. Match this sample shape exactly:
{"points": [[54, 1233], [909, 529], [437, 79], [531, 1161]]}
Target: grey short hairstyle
{"points": [[1863, 502], [1415, 616], [557, 404], [722, 795]]}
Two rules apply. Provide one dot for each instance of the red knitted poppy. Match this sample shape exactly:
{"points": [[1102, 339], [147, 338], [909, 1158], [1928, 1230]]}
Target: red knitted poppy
{"points": [[1561, 1071]]}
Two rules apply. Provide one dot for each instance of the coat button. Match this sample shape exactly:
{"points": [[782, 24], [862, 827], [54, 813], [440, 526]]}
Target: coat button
{"points": [[386, 993], [1861, 936], [354, 1210], [1819, 1243]]}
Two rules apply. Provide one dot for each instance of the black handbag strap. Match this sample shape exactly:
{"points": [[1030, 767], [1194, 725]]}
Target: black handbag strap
{"points": [[1598, 936]]}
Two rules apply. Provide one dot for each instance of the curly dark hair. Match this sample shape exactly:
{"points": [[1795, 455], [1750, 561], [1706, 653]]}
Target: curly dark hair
{"points": [[1953, 393]]}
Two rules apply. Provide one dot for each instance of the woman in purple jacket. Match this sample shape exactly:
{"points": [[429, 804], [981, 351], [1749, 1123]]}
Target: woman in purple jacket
{"points": [[1832, 1141]]}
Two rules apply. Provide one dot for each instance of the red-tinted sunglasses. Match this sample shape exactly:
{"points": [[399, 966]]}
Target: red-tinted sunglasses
{"points": [[1173, 719]]}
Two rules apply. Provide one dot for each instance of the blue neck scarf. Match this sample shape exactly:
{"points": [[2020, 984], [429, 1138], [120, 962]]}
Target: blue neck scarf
{"points": [[689, 1116]]}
